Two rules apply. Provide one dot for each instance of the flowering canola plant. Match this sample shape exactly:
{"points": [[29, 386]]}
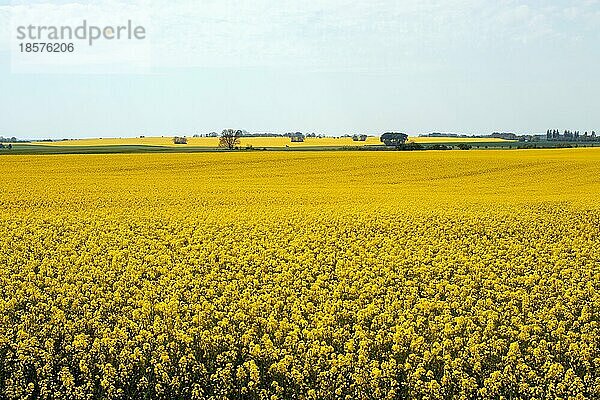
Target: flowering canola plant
{"points": [[305, 275]]}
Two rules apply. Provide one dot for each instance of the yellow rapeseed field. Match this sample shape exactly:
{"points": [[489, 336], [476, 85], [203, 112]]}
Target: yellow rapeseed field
{"points": [[304, 275], [253, 141]]}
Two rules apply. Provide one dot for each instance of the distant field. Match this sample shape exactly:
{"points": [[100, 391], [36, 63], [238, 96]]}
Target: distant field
{"points": [[254, 141], [214, 142], [199, 145]]}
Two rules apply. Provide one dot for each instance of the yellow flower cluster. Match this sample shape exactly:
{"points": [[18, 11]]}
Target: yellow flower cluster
{"points": [[312, 275]]}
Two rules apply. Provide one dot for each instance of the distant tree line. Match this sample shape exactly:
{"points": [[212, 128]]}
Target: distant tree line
{"points": [[571, 136], [12, 140]]}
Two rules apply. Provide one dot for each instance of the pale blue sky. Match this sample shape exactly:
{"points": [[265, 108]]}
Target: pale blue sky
{"points": [[331, 67]]}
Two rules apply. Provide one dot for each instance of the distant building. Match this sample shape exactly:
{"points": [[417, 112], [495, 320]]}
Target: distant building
{"points": [[531, 138], [297, 137], [179, 140], [359, 138], [393, 138]]}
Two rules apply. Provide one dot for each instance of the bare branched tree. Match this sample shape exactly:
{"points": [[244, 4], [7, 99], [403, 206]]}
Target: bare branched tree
{"points": [[230, 138]]}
